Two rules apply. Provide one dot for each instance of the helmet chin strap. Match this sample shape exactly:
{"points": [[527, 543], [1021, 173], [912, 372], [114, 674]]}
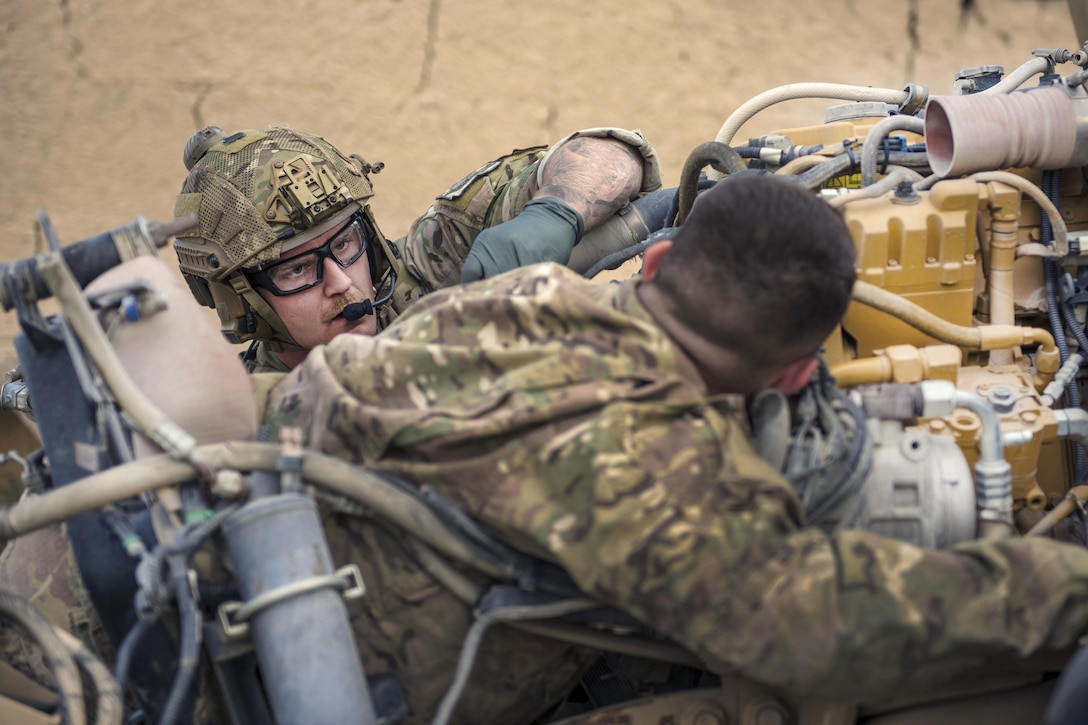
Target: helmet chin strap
{"points": [[274, 333]]}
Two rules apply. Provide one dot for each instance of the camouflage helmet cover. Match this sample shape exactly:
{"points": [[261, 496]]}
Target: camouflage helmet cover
{"points": [[253, 190], [258, 194]]}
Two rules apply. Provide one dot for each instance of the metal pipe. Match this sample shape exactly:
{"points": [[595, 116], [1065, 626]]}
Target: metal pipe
{"points": [[993, 474], [304, 643], [1005, 213], [1073, 501]]}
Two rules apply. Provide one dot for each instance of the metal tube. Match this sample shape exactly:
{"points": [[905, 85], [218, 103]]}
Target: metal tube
{"points": [[304, 642]]}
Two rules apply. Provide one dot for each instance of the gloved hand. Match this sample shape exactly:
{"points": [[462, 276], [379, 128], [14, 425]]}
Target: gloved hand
{"points": [[545, 231]]}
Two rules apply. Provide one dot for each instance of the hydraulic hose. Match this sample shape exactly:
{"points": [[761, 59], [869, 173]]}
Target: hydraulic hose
{"points": [[615, 259], [896, 176], [128, 647], [816, 176], [152, 473], [189, 658], [57, 656], [794, 91], [720, 156], [976, 338], [1020, 76], [1073, 501], [1051, 189], [1057, 223], [804, 164], [109, 708], [876, 136]]}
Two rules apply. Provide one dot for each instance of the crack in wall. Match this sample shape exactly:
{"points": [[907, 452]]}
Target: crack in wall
{"points": [[75, 45], [196, 109], [430, 46], [914, 37]]}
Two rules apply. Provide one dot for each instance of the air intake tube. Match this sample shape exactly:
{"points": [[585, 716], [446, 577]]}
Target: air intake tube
{"points": [[1043, 128]]}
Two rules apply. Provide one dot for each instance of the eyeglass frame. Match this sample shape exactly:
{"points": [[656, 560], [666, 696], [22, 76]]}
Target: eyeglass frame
{"points": [[261, 277]]}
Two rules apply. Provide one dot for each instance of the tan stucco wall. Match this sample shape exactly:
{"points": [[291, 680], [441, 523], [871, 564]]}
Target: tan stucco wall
{"points": [[97, 99]]}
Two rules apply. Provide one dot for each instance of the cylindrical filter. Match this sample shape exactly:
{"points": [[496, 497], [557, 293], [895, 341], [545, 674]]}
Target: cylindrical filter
{"points": [[304, 643]]}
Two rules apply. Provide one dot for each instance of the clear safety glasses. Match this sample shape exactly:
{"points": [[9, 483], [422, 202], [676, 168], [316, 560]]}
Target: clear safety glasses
{"points": [[306, 270]]}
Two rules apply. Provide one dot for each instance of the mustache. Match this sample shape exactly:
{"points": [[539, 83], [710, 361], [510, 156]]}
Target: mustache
{"points": [[338, 305]]}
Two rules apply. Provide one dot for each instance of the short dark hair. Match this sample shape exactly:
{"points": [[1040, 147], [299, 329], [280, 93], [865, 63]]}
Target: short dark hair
{"points": [[761, 266]]}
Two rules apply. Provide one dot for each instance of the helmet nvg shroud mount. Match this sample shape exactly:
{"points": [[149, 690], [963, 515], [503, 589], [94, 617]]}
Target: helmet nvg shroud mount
{"points": [[257, 195]]}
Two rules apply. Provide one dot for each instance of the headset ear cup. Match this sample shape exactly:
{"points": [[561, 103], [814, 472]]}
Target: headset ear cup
{"points": [[199, 287]]}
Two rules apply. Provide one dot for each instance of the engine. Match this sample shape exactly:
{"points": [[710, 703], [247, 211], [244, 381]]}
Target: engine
{"points": [[964, 343]]}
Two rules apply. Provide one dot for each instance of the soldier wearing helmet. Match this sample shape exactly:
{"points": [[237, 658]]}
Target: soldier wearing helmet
{"points": [[288, 252]]}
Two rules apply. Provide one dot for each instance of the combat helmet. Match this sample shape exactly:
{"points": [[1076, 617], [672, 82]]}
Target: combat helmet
{"points": [[257, 195]]}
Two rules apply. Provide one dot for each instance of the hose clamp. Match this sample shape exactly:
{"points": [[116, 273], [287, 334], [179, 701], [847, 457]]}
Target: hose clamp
{"points": [[234, 616], [917, 95]]}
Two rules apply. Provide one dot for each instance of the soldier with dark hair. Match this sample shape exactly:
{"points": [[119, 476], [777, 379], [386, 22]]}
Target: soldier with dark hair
{"points": [[604, 429], [599, 427]]}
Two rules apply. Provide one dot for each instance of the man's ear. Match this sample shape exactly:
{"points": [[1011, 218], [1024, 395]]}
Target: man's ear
{"points": [[652, 258], [795, 375]]}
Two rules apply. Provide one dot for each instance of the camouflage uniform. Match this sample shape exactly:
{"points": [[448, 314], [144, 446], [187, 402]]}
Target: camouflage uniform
{"points": [[430, 255], [559, 414]]}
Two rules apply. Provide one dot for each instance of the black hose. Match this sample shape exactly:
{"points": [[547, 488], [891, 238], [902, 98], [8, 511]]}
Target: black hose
{"points": [[615, 259], [1051, 186], [1073, 324], [175, 557], [128, 647], [87, 259], [817, 176], [189, 645], [109, 705], [720, 156]]}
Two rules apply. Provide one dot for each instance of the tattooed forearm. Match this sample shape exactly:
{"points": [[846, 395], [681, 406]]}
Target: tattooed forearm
{"points": [[594, 176]]}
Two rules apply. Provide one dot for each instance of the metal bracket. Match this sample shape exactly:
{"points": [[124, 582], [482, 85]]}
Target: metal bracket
{"points": [[234, 616]]}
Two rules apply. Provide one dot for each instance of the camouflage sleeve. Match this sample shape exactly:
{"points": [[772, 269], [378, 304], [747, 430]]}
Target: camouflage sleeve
{"points": [[666, 512], [715, 558], [438, 242], [566, 425]]}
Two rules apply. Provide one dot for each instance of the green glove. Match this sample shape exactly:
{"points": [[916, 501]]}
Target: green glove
{"points": [[545, 231]]}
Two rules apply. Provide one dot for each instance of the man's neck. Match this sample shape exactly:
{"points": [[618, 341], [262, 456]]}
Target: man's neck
{"points": [[722, 370], [292, 358]]}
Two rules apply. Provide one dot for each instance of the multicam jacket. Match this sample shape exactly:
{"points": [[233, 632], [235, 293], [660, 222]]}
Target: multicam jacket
{"points": [[560, 415]]}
